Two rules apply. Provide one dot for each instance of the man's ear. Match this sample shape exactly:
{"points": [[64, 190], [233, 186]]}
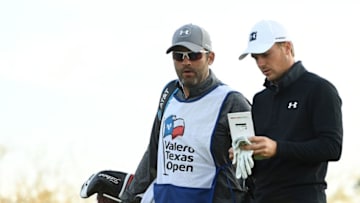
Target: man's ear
{"points": [[211, 58]]}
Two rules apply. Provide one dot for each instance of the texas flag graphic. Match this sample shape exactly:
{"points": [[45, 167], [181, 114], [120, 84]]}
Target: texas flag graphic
{"points": [[174, 126]]}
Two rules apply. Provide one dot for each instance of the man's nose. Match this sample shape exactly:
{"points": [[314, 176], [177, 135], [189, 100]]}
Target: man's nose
{"points": [[186, 60]]}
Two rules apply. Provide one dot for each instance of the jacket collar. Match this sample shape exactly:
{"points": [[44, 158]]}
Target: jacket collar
{"points": [[295, 71]]}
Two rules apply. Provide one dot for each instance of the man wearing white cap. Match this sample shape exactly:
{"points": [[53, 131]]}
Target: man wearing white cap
{"points": [[187, 158], [297, 120]]}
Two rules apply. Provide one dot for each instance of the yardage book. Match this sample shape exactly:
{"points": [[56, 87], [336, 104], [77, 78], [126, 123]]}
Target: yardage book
{"points": [[241, 124]]}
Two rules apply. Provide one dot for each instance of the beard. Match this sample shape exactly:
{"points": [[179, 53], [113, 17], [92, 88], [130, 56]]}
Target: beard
{"points": [[189, 77], [189, 82]]}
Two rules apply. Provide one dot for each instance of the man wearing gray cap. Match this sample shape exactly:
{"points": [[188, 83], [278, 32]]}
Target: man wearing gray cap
{"points": [[297, 120], [187, 158]]}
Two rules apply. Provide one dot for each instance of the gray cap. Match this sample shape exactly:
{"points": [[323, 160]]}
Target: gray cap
{"points": [[192, 37]]}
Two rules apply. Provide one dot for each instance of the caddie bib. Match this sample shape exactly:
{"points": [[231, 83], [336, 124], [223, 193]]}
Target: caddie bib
{"points": [[186, 170]]}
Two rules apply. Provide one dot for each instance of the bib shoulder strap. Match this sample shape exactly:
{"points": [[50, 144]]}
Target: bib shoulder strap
{"points": [[165, 95]]}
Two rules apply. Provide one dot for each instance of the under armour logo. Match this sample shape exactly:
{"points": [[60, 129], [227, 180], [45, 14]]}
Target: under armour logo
{"points": [[252, 36], [184, 32], [292, 105]]}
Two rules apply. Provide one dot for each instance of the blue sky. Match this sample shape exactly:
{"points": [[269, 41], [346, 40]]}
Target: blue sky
{"points": [[80, 80]]}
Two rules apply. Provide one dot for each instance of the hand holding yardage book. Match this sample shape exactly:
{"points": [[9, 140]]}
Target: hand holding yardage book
{"points": [[241, 127]]}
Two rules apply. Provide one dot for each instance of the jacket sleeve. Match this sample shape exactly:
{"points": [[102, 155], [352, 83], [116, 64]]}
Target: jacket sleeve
{"points": [[146, 170], [326, 121]]}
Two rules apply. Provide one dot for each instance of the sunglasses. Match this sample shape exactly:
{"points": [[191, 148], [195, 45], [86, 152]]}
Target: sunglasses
{"points": [[192, 56]]}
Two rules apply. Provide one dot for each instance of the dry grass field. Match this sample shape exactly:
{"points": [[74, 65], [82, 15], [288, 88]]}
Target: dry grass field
{"points": [[62, 185], [70, 194]]}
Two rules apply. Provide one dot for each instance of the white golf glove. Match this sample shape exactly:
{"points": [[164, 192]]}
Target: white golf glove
{"points": [[242, 158]]}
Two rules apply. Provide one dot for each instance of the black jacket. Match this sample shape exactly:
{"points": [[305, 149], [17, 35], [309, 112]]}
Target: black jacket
{"points": [[302, 113]]}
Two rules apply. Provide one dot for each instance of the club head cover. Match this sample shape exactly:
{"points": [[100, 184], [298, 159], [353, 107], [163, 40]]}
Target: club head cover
{"points": [[111, 184]]}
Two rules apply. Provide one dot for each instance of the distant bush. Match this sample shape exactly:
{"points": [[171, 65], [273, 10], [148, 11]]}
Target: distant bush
{"points": [[2, 151]]}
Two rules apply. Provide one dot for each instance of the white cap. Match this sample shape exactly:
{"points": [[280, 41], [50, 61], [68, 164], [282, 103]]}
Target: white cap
{"points": [[263, 36]]}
